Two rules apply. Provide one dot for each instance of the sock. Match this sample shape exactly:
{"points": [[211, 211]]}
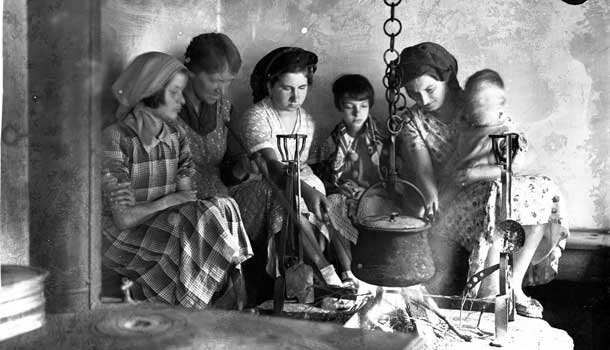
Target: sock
{"points": [[347, 275], [330, 276]]}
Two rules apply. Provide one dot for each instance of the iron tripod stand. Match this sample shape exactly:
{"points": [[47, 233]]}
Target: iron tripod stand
{"points": [[509, 233], [297, 280]]}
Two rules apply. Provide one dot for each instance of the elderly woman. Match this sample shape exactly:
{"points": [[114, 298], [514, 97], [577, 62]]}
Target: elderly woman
{"points": [[279, 82], [178, 249], [467, 214]]}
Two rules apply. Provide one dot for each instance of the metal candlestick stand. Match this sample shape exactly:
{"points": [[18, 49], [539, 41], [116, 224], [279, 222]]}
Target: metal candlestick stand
{"points": [[509, 232], [291, 147]]}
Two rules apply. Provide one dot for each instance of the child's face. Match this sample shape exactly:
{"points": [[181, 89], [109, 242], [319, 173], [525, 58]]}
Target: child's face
{"points": [[355, 112], [485, 105]]}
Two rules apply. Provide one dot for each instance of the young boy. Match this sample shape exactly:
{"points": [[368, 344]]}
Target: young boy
{"points": [[349, 162]]}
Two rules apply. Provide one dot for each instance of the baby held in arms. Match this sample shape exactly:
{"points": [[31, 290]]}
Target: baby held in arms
{"points": [[486, 102]]}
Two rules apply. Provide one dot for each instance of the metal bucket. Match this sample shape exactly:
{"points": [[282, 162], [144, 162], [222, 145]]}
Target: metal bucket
{"points": [[22, 302], [392, 248]]}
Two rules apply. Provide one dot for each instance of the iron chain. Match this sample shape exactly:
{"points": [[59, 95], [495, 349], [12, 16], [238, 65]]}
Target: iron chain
{"points": [[392, 78]]}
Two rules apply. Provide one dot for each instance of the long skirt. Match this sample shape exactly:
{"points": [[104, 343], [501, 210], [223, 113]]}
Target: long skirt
{"points": [[471, 216], [263, 212], [182, 255]]}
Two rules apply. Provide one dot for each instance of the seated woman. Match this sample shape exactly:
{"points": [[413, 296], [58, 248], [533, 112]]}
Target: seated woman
{"points": [[348, 162], [536, 201], [429, 75], [178, 249], [219, 162], [279, 82], [219, 166]]}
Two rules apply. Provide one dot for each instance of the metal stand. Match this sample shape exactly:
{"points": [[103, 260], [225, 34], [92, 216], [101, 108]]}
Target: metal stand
{"points": [[510, 233], [291, 147]]}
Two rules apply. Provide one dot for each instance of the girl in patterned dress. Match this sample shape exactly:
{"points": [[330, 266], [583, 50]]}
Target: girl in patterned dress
{"points": [[348, 162], [178, 249]]}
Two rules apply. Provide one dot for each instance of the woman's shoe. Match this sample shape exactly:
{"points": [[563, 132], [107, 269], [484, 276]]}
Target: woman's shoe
{"points": [[529, 307]]}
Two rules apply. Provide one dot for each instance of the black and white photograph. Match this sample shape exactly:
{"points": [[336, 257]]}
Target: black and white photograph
{"points": [[305, 174]]}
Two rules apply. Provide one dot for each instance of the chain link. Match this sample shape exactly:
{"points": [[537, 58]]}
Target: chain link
{"points": [[392, 78]]}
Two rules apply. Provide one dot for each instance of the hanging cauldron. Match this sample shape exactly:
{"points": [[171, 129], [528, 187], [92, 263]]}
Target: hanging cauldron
{"points": [[392, 247]]}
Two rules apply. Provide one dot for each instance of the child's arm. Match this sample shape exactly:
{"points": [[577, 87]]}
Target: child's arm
{"points": [[425, 179], [492, 171], [467, 176]]}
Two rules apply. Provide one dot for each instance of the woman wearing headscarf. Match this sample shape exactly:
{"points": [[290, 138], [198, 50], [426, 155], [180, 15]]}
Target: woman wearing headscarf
{"points": [[428, 72], [280, 81], [178, 249], [464, 203]]}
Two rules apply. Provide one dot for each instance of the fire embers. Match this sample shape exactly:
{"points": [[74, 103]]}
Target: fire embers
{"points": [[391, 310]]}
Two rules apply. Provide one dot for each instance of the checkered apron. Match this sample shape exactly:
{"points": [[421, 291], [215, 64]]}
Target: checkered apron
{"points": [[183, 254]]}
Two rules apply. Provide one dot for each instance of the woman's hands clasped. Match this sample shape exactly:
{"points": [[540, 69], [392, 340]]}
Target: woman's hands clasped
{"points": [[120, 194]]}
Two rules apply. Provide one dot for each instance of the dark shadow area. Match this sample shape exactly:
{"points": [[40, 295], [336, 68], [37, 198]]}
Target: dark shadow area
{"points": [[581, 309]]}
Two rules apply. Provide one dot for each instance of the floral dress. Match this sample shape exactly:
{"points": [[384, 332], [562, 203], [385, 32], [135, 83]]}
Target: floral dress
{"points": [[259, 127], [469, 214], [214, 150]]}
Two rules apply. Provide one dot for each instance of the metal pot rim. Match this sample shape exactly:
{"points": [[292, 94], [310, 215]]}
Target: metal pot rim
{"points": [[396, 230]]}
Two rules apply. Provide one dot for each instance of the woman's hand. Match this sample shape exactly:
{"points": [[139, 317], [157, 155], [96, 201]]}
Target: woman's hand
{"points": [[316, 201], [431, 205], [122, 195], [465, 177], [350, 189], [117, 193], [468, 176]]}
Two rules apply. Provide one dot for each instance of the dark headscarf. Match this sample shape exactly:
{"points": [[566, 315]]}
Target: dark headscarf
{"points": [[276, 63], [427, 59]]}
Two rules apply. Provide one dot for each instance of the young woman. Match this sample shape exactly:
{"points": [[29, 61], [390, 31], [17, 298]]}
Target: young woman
{"points": [[280, 82], [178, 249]]}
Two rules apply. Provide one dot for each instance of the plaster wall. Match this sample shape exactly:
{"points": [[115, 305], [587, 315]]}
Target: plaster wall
{"points": [[14, 213], [554, 58], [63, 41]]}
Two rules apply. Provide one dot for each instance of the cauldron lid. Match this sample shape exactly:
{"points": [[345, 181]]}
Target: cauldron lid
{"points": [[393, 222]]}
